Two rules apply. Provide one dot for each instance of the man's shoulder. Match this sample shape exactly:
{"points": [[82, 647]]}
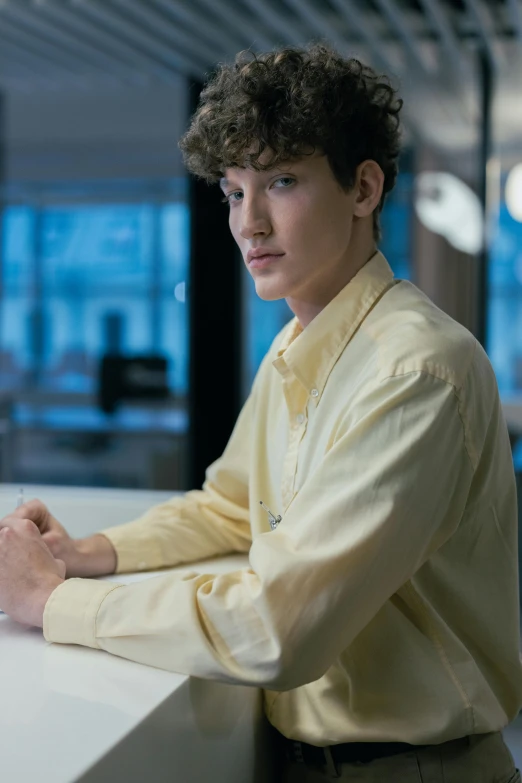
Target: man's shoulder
{"points": [[411, 334]]}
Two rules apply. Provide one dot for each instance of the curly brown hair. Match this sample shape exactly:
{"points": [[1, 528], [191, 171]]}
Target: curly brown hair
{"points": [[291, 102]]}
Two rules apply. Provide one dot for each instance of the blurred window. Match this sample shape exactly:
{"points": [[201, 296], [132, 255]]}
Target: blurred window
{"points": [[396, 227], [504, 341], [81, 279]]}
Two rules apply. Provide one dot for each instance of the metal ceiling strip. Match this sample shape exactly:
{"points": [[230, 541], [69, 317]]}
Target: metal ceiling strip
{"points": [[69, 42], [317, 20], [437, 18], [365, 30], [479, 14], [278, 23], [245, 27], [180, 39], [29, 39], [514, 8], [143, 47], [397, 22], [217, 36]]}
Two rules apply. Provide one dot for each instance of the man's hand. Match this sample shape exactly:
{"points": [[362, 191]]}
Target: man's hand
{"points": [[94, 556], [28, 571]]}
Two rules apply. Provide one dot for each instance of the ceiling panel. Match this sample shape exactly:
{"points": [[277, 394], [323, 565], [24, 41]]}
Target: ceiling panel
{"points": [[428, 46]]}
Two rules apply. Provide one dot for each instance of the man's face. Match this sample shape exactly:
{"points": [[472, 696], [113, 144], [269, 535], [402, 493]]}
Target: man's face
{"points": [[299, 218]]}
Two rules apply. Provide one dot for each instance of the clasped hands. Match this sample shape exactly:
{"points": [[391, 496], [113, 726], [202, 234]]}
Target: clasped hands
{"points": [[37, 553], [28, 570]]}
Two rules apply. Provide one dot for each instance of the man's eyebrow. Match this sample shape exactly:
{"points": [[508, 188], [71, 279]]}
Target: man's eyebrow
{"points": [[284, 166]]}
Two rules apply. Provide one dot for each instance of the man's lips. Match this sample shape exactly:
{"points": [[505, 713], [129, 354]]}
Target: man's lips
{"points": [[262, 250], [260, 261], [260, 256]]}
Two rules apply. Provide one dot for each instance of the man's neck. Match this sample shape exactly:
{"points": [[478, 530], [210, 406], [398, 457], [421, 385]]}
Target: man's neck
{"points": [[307, 307]]}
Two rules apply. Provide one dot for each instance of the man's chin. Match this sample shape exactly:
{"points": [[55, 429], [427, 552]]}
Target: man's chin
{"points": [[269, 290]]}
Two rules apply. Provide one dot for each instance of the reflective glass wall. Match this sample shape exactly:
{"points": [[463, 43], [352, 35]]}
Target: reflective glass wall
{"points": [[504, 317], [87, 272], [505, 300]]}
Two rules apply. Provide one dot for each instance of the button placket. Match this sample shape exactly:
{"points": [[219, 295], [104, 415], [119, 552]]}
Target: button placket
{"points": [[296, 399]]}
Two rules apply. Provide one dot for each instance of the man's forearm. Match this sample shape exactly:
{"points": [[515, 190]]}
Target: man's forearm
{"points": [[96, 556]]}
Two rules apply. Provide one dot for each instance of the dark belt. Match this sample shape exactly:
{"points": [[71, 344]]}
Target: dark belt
{"points": [[362, 752]]}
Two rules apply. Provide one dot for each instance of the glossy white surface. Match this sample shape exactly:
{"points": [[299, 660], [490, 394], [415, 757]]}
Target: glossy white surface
{"points": [[85, 511], [67, 708]]}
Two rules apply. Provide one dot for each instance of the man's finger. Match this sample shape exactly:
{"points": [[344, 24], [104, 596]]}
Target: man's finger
{"points": [[23, 526], [62, 566], [34, 510], [9, 521]]}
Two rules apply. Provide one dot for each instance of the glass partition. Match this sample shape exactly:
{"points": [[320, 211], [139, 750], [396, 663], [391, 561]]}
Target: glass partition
{"points": [[84, 274]]}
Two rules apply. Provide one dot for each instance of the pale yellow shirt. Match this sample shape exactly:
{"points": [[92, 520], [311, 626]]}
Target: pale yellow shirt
{"points": [[385, 604]]}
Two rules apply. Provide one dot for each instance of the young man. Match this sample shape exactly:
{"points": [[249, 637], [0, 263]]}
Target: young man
{"points": [[380, 609]]}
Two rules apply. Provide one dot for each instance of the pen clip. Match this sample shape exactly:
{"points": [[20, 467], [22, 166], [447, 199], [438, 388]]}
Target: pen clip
{"points": [[273, 520]]}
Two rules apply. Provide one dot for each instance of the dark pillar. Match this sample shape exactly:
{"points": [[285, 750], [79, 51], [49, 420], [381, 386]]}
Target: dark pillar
{"points": [[38, 331], [486, 83], [2, 183], [215, 326], [113, 330]]}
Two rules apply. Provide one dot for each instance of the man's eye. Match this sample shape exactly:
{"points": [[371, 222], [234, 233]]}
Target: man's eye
{"points": [[231, 197], [285, 182]]}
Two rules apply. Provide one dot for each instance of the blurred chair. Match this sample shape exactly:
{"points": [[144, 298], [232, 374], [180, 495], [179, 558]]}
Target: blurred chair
{"points": [[124, 378]]}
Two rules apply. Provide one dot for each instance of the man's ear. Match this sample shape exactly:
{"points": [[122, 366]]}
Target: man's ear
{"points": [[369, 182]]}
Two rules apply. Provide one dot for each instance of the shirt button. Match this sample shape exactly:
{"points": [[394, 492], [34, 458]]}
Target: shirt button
{"points": [[314, 393], [299, 418]]}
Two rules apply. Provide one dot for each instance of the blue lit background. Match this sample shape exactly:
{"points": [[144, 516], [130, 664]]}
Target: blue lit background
{"points": [[505, 303], [69, 269], [70, 272]]}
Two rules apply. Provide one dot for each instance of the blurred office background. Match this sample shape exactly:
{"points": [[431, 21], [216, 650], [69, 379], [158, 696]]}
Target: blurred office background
{"points": [[109, 250], [129, 330]]}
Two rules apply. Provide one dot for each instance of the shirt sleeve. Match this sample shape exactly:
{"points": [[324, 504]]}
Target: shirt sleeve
{"points": [[389, 492], [199, 524], [202, 523]]}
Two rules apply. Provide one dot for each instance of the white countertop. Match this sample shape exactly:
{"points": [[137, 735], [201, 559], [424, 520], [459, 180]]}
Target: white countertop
{"points": [[84, 511], [65, 707]]}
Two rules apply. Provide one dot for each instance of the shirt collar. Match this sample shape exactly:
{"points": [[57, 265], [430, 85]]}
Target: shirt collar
{"points": [[311, 353]]}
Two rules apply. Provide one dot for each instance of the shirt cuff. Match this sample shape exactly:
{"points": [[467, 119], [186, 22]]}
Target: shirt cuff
{"points": [[134, 551], [71, 610]]}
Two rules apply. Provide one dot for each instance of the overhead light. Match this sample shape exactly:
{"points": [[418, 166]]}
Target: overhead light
{"points": [[447, 206], [514, 193]]}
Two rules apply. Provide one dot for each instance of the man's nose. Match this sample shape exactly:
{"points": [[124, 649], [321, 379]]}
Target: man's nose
{"points": [[254, 221]]}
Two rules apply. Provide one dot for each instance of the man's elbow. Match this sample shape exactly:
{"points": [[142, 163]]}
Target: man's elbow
{"points": [[291, 670]]}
